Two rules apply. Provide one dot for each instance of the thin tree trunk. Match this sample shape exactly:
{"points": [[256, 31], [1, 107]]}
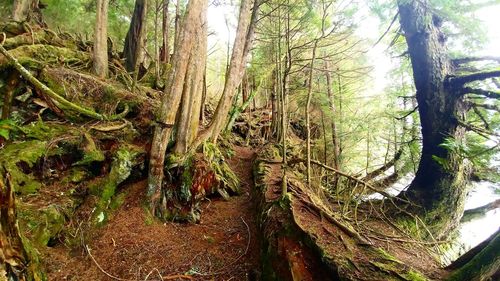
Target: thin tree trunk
{"points": [[165, 48], [170, 103], [308, 117], [100, 52], [134, 41], [331, 99]]}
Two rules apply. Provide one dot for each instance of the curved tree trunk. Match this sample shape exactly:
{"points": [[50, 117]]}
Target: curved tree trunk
{"points": [[134, 41], [100, 52], [439, 189]]}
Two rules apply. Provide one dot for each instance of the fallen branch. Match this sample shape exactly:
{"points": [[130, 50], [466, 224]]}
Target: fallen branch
{"points": [[479, 211]]}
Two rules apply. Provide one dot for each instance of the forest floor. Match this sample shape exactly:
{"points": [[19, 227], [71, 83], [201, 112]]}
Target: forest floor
{"points": [[133, 246]]}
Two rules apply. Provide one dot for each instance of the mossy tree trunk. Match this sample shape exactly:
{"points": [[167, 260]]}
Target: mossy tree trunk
{"points": [[480, 263], [439, 188], [100, 51], [191, 27]]}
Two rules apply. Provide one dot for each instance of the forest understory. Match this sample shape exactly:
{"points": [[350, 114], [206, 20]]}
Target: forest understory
{"points": [[80, 198]]}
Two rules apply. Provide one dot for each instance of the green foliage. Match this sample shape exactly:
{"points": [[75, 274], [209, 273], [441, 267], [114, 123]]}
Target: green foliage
{"points": [[7, 126]]}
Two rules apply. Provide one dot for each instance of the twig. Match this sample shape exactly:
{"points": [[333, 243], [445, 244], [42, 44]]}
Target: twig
{"points": [[102, 270]]}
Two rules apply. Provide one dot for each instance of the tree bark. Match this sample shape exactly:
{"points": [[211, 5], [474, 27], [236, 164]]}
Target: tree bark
{"points": [[439, 190], [134, 41], [29, 11], [331, 100], [100, 52], [189, 115], [171, 100], [241, 49], [165, 48]]}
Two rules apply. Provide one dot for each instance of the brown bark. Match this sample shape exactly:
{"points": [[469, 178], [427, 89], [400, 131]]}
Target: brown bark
{"points": [[28, 10], [189, 115], [100, 52], [171, 100], [134, 41], [241, 48], [165, 48], [12, 82]]}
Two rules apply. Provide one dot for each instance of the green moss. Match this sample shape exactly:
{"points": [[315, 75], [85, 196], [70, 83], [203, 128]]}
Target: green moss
{"points": [[414, 276], [90, 152], [28, 152], [121, 167]]}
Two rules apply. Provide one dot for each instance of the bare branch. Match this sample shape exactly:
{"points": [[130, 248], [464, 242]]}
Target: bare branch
{"points": [[481, 92], [460, 61], [479, 76]]}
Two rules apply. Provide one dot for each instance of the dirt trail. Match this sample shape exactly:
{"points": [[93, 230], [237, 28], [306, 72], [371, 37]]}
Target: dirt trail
{"points": [[224, 246]]}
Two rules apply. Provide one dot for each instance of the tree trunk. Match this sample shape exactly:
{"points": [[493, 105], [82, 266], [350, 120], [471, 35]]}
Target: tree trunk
{"points": [[165, 48], [308, 117], [28, 10], [189, 115], [134, 41], [439, 189], [100, 52], [170, 102], [331, 100], [241, 49]]}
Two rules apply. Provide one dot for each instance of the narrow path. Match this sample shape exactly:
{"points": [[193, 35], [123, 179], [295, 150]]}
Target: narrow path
{"points": [[224, 246]]}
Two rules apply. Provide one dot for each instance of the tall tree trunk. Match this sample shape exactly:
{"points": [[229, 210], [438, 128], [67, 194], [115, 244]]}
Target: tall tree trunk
{"points": [[165, 48], [134, 41], [170, 102], [100, 52], [241, 49], [189, 115], [440, 190], [331, 100], [308, 117]]}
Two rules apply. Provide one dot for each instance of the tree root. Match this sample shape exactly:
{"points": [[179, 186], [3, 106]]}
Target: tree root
{"points": [[53, 95]]}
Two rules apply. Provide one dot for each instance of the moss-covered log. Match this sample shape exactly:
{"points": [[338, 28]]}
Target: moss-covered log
{"points": [[303, 239], [480, 263]]}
